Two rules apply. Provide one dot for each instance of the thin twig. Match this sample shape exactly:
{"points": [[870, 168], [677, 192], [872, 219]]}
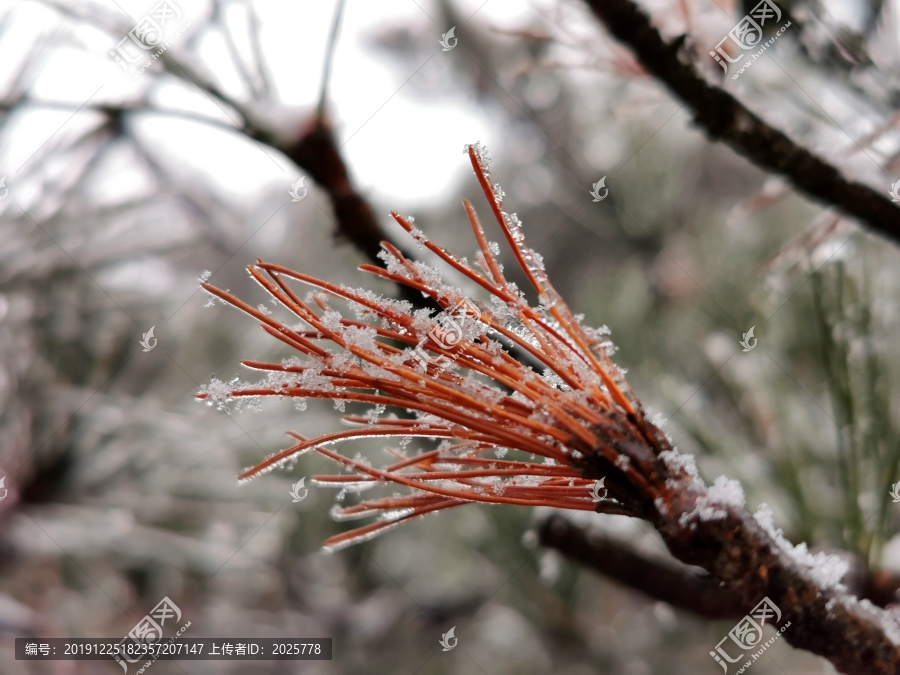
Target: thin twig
{"points": [[672, 583], [329, 54]]}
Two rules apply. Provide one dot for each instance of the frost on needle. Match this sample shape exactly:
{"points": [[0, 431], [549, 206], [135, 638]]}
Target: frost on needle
{"points": [[469, 390]]}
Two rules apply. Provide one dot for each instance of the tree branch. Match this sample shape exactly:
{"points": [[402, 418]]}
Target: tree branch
{"points": [[725, 119], [672, 583], [742, 555], [316, 151]]}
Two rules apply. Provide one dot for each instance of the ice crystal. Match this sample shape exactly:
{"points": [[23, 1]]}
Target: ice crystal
{"points": [[453, 373], [392, 263], [826, 569], [727, 492], [724, 493], [372, 415], [677, 462], [219, 393], [419, 238], [483, 155]]}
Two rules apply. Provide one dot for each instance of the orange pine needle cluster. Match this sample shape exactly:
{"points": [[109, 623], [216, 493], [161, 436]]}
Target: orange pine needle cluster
{"points": [[466, 391]]}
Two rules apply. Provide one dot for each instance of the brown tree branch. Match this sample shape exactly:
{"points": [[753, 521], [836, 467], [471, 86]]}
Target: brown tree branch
{"points": [[742, 556], [316, 151], [672, 583], [725, 119]]}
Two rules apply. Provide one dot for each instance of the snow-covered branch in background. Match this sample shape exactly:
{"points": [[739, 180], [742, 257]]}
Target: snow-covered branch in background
{"points": [[726, 119]]}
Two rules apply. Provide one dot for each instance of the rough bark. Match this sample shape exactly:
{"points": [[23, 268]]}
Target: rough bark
{"points": [[741, 555]]}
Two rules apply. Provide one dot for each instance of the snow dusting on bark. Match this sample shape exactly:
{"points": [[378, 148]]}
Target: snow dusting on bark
{"points": [[827, 569]]}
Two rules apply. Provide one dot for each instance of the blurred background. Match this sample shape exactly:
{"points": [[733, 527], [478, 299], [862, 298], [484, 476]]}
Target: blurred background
{"points": [[124, 188]]}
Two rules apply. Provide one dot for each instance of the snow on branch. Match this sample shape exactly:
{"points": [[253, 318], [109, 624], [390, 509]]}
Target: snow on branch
{"points": [[726, 119]]}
